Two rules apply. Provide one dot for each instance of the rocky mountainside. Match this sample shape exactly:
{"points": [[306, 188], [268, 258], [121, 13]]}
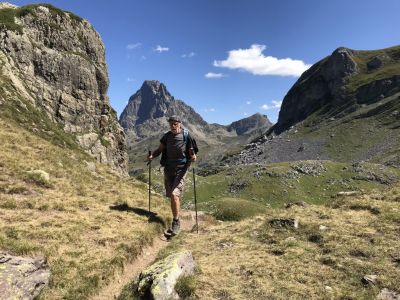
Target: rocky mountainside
{"points": [[340, 84], [144, 120], [345, 107], [53, 62]]}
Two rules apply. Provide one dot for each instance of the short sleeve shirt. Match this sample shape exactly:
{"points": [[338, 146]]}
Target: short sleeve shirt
{"points": [[175, 145]]}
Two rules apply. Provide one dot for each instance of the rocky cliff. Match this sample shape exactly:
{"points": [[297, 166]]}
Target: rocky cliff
{"points": [[55, 60], [145, 120], [340, 84], [247, 125], [346, 107]]}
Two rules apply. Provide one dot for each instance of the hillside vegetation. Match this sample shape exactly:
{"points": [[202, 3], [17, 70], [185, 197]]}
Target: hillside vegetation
{"points": [[347, 249], [57, 202], [275, 185]]}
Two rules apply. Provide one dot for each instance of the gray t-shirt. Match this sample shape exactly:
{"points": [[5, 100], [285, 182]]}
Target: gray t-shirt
{"points": [[175, 145]]}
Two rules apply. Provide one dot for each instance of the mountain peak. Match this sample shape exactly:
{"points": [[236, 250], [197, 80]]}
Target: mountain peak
{"points": [[248, 124], [153, 85], [153, 102]]}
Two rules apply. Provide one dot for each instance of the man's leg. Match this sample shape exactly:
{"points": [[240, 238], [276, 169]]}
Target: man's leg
{"points": [[175, 206]]}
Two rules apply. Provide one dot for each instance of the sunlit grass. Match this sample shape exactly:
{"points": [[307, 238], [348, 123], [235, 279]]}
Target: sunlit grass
{"points": [[330, 252], [69, 218]]}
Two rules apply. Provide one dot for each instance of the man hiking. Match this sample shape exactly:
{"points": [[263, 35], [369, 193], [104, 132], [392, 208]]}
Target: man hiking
{"points": [[177, 149]]}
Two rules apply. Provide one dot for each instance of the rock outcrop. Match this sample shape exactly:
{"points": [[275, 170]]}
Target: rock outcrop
{"points": [[158, 281], [247, 125], [340, 83], [344, 108], [322, 84], [22, 277], [56, 61]]}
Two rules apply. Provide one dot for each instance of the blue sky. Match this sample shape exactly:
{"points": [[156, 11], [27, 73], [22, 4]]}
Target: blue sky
{"points": [[228, 59]]}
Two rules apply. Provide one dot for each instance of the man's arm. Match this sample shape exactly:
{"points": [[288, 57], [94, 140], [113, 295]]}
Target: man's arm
{"points": [[156, 152]]}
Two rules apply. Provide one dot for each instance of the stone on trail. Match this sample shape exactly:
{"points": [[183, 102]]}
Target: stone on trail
{"points": [[22, 277], [158, 281]]}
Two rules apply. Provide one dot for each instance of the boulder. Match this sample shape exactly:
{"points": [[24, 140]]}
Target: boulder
{"points": [[158, 281], [387, 294], [22, 277], [282, 223]]}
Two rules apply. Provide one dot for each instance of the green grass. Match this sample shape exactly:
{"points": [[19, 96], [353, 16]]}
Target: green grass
{"points": [[69, 218], [186, 286], [8, 15], [329, 253], [276, 184], [233, 209]]}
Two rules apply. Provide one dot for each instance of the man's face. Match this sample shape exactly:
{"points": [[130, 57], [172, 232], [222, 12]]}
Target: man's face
{"points": [[175, 126]]}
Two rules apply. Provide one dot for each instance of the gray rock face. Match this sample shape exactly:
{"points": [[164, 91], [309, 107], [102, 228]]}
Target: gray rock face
{"points": [[21, 277], [322, 84], [246, 125], [145, 121], [149, 107], [383, 88], [56, 61], [158, 281]]}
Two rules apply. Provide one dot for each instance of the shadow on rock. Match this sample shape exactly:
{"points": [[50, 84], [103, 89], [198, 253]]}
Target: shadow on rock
{"points": [[152, 216]]}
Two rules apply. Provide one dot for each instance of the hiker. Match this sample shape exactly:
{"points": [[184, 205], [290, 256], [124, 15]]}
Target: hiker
{"points": [[177, 149]]}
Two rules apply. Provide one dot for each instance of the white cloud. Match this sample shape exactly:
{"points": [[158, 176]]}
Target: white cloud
{"points": [[160, 49], [129, 79], [248, 102], [245, 114], [214, 75], [209, 109], [133, 46], [189, 55], [255, 62], [275, 104]]}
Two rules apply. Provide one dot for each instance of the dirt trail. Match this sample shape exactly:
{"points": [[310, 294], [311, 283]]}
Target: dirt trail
{"points": [[131, 270]]}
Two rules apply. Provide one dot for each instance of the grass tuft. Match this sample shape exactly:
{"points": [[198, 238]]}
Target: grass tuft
{"points": [[186, 286], [234, 209]]}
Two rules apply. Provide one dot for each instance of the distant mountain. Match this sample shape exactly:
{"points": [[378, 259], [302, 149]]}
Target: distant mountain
{"points": [[346, 107], [248, 125], [144, 120]]}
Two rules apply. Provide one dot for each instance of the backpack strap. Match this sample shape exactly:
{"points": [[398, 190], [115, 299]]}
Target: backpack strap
{"points": [[185, 135]]}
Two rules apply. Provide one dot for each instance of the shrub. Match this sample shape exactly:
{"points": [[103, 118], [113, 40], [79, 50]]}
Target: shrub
{"points": [[236, 209], [186, 286], [38, 177]]}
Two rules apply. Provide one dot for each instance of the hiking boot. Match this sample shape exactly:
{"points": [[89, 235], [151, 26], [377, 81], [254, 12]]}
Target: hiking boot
{"points": [[176, 227]]}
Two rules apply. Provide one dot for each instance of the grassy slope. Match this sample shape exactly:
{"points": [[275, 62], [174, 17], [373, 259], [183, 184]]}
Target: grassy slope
{"points": [[251, 259], [276, 184], [351, 137], [69, 219]]}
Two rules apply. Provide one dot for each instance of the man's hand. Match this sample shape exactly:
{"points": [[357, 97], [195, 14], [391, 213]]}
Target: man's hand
{"points": [[193, 157]]}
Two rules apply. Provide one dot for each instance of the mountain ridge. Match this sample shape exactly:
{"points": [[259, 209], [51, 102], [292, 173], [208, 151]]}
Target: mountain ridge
{"points": [[144, 120], [344, 108]]}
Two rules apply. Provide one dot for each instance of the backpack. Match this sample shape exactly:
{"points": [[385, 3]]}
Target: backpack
{"points": [[186, 136]]}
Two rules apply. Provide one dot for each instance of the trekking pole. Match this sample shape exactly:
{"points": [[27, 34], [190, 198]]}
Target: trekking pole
{"points": [[195, 199], [149, 181]]}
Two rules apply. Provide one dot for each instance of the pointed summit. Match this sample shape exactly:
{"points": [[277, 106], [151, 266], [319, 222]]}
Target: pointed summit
{"points": [[149, 107], [150, 102]]}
